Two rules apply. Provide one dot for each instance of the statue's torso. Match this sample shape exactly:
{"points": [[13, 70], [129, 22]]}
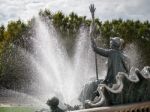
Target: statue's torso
{"points": [[115, 64]]}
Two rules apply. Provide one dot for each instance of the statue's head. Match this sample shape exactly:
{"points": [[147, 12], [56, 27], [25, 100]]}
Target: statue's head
{"points": [[116, 42]]}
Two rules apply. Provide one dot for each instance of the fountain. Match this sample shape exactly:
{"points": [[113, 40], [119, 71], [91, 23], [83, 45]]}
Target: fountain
{"points": [[65, 82], [121, 82], [60, 75], [66, 77]]}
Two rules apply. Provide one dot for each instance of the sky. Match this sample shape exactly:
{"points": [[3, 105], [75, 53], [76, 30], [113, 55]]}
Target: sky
{"points": [[105, 9]]}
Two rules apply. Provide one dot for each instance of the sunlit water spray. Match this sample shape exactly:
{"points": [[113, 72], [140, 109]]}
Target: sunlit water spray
{"points": [[83, 60], [59, 74]]}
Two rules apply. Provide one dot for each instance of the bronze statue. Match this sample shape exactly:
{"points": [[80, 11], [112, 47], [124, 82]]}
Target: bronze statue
{"points": [[117, 60]]}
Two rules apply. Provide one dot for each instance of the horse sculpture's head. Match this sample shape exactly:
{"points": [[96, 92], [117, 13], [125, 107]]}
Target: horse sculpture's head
{"points": [[53, 102]]}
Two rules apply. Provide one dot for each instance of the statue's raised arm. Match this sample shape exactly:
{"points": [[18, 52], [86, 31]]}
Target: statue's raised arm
{"points": [[93, 34]]}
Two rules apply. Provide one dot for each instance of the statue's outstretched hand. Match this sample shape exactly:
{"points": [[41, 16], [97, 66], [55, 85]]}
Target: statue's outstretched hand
{"points": [[92, 10]]}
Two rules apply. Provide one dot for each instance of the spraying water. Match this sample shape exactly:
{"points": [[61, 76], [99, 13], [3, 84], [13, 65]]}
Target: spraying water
{"points": [[59, 75]]}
